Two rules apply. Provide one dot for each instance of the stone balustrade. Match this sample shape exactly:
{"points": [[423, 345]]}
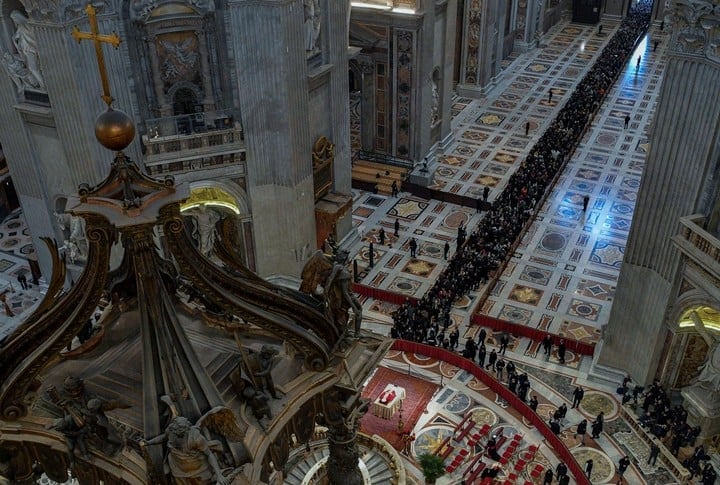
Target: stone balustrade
{"points": [[698, 244], [195, 151], [365, 442], [668, 460]]}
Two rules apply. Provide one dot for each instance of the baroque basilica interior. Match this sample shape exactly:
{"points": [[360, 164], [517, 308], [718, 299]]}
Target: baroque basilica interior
{"points": [[359, 242]]}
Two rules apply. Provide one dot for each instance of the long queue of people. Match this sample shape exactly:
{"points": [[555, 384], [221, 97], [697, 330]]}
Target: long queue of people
{"points": [[484, 250]]}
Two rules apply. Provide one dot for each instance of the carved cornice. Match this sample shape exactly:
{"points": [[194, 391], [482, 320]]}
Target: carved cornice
{"points": [[142, 10], [696, 29], [53, 11]]}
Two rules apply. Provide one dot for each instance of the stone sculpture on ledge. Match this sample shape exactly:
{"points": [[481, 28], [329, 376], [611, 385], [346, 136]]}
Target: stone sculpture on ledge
{"points": [[190, 457], [330, 281]]}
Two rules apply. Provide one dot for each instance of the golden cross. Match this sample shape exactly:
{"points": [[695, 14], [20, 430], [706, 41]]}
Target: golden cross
{"points": [[97, 38]]}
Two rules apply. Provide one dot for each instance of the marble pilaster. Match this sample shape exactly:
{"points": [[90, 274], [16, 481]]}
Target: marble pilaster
{"points": [[615, 8], [406, 86], [208, 101], [334, 42], [446, 80], [681, 158], [274, 100], [482, 48], [367, 104]]}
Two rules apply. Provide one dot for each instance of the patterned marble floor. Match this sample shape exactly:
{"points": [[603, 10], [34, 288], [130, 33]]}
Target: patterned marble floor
{"points": [[563, 275], [460, 393], [15, 247]]}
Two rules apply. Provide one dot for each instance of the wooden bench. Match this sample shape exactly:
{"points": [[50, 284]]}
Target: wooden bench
{"points": [[357, 168], [467, 427], [366, 178], [381, 166]]}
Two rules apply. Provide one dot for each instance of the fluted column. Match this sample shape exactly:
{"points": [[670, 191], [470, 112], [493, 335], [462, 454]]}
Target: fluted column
{"points": [[267, 43], [367, 104], [682, 158], [334, 39]]}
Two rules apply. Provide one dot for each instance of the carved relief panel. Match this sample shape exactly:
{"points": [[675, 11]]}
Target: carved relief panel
{"points": [[179, 53]]}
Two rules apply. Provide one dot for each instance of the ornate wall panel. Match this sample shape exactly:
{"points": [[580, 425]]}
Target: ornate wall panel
{"points": [[474, 28], [405, 50]]}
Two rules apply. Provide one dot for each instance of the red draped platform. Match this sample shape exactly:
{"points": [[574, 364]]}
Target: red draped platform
{"points": [[418, 394]]}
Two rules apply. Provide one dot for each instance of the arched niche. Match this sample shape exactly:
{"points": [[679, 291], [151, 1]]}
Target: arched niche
{"points": [[215, 200], [688, 349]]}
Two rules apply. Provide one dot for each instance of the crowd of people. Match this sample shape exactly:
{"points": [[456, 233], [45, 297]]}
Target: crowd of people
{"points": [[669, 425], [484, 250]]}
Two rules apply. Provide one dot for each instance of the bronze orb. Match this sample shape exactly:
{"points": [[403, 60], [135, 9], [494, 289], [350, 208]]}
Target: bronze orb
{"points": [[114, 130]]}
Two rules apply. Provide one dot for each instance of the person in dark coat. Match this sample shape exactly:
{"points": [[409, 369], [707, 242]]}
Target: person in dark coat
{"points": [[481, 355], [533, 403], [623, 465], [597, 426], [504, 341], [547, 344], [581, 430], [413, 247], [578, 395], [492, 358], [588, 468], [548, 477], [561, 470], [654, 452], [561, 351], [482, 335]]}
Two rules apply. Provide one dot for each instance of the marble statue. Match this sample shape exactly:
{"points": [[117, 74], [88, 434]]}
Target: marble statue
{"points": [[24, 41], [18, 72], [70, 249], [205, 231], [73, 228], [74, 434], [260, 366], [312, 24], [330, 281], [190, 456], [339, 295], [709, 377], [83, 422], [435, 107]]}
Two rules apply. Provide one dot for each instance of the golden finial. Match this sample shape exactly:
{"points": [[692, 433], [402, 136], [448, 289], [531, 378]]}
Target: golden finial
{"points": [[114, 129]]}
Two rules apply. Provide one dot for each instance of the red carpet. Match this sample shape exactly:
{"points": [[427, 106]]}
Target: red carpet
{"points": [[417, 394]]}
